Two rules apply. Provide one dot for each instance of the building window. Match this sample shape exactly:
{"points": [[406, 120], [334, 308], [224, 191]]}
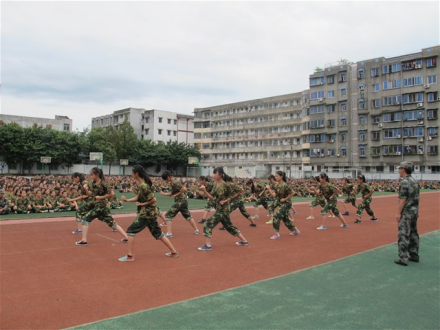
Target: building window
{"points": [[159, 131], [375, 103], [147, 131], [361, 73], [343, 106], [343, 137], [343, 91], [374, 72], [317, 81], [362, 120], [174, 133], [168, 132], [432, 97], [431, 62], [344, 151], [330, 79], [362, 151], [375, 136], [362, 136], [169, 121], [175, 121], [342, 76], [431, 79], [12, 166], [376, 87], [392, 168], [432, 114], [160, 119], [361, 104], [379, 169], [330, 108], [331, 94]]}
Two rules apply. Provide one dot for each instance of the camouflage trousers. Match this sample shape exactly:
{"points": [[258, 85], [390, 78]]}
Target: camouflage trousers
{"points": [[239, 204], [273, 206], [223, 217], [179, 206], [408, 237], [262, 201], [37, 210], [142, 222], [317, 201], [351, 199], [83, 209], [365, 205], [5, 211], [283, 215], [209, 205], [102, 213], [331, 205]]}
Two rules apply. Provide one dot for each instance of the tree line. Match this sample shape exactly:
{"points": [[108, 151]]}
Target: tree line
{"points": [[25, 146]]}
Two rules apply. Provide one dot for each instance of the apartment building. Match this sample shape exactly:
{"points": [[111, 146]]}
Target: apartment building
{"points": [[59, 123], [155, 125], [369, 116], [397, 112], [254, 138]]}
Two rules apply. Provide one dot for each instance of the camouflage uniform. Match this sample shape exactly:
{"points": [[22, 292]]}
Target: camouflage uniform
{"points": [[283, 191], [84, 205], [99, 209], [261, 200], [22, 205], [408, 237], [39, 202], [66, 204], [364, 190], [146, 215], [276, 202], [238, 203], [328, 191], [220, 193], [4, 204], [319, 198], [351, 197], [180, 203], [210, 203]]}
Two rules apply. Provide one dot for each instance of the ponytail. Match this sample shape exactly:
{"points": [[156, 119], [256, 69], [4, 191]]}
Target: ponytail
{"points": [[362, 177], [324, 176], [167, 174], [282, 174], [251, 183], [222, 174], [79, 175], [142, 174], [98, 171]]}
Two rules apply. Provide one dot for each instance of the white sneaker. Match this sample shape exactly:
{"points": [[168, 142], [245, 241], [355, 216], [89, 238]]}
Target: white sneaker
{"points": [[169, 235], [196, 232]]}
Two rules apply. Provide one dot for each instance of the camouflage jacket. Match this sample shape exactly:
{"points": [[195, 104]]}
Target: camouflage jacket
{"points": [[348, 189], [22, 203], [176, 187], [410, 190], [3, 203], [40, 201], [364, 189], [145, 193], [220, 193], [282, 190], [327, 191], [99, 189]]}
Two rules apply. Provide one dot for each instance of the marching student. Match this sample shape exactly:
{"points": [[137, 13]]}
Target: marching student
{"points": [[275, 204], [283, 194], [329, 192], [180, 203], [204, 181], [99, 192], [83, 201], [348, 191], [319, 199], [146, 216], [222, 196], [366, 192], [257, 195]]}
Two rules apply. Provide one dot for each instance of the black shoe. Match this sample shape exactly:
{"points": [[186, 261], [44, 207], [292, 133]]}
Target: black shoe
{"points": [[253, 225], [357, 221], [374, 219], [222, 228], [414, 259], [400, 262], [202, 221], [81, 243]]}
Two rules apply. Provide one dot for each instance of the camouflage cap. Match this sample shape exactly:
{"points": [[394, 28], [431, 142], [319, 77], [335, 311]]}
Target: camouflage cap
{"points": [[406, 166]]}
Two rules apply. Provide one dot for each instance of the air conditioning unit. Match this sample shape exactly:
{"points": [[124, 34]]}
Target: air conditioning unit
{"points": [[380, 125], [438, 98], [429, 138], [398, 153], [421, 140], [338, 155], [332, 141], [397, 103], [418, 66], [421, 122], [320, 83], [361, 88], [321, 99], [427, 86], [322, 155], [419, 105], [420, 152], [398, 136]]}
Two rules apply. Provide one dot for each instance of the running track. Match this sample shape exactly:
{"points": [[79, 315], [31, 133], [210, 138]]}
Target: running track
{"points": [[47, 282]]}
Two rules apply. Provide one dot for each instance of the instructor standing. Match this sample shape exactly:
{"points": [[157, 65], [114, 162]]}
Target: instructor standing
{"points": [[407, 215]]}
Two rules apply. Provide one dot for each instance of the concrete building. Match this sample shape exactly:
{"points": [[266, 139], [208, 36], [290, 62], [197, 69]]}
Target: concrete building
{"points": [[60, 123], [357, 117], [254, 138], [155, 125]]}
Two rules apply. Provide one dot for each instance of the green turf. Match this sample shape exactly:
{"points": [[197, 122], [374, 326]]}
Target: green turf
{"points": [[364, 291], [163, 202]]}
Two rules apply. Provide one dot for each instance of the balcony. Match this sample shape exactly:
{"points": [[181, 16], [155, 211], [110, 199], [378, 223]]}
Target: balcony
{"points": [[433, 153]]}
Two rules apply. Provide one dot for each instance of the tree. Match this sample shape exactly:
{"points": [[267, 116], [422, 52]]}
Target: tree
{"points": [[98, 142]]}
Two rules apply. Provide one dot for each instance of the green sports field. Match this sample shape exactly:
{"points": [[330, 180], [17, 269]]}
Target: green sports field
{"points": [[163, 202], [363, 291]]}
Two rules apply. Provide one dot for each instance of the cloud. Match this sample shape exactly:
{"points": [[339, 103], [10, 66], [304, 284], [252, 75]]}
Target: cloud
{"points": [[87, 59]]}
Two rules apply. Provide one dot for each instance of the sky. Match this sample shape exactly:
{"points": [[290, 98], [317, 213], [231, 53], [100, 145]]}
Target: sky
{"points": [[87, 59]]}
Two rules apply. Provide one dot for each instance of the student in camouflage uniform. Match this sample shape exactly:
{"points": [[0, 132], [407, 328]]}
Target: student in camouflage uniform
{"points": [[407, 215], [329, 192], [51, 201], [209, 204], [257, 195], [4, 204], [283, 193], [99, 192], [275, 203], [22, 205], [222, 196], [238, 202], [348, 191], [146, 214], [63, 204], [115, 203], [83, 202], [180, 203], [366, 192], [39, 205], [319, 199]]}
